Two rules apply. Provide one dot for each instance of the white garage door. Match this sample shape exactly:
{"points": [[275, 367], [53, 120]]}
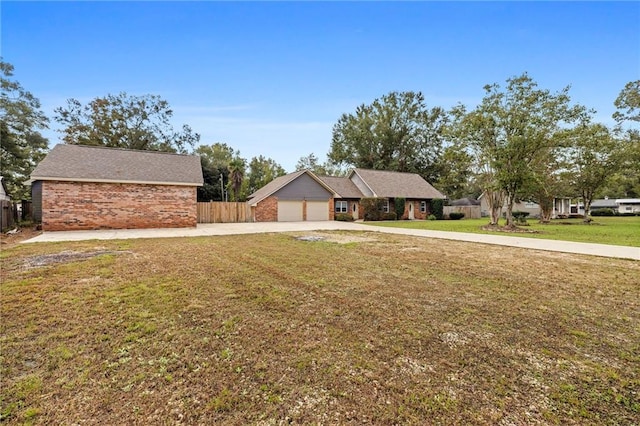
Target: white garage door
{"points": [[289, 211], [317, 210]]}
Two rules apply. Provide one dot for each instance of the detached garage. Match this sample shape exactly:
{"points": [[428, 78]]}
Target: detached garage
{"points": [[84, 187], [296, 197]]}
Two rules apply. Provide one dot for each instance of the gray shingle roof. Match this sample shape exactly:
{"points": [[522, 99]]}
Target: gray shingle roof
{"points": [[465, 202], [100, 164], [610, 203], [273, 186], [343, 186], [396, 184]]}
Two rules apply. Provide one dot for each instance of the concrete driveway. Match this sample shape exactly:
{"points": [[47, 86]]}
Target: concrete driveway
{"points": [[212, 229]]}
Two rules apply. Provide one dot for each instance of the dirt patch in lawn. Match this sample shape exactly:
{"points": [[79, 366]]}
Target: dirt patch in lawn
{"points": [[336, 237], [65, 257], [268, 330]]}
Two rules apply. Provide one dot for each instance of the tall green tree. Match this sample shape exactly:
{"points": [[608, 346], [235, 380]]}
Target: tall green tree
{"points": [[455, 172], [626, 182], [593, 155], [474, 133], [21, 144], [124, 121], [395, 132], [548, 180], [237, 171], [628, 103], [262, 171], [215, 160], [513, 127], [311, 162]]}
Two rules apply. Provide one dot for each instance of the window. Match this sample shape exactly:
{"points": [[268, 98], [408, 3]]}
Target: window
{"points": [[341, 207], [385, 207], [423, 206]]}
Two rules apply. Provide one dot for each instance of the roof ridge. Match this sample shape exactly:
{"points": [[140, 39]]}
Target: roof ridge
{"points": [[388, 171], [115, 148]]}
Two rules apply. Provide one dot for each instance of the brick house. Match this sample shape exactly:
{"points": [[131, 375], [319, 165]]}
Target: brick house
{"points": [[296, 197], [303, 195], [80, 187]]}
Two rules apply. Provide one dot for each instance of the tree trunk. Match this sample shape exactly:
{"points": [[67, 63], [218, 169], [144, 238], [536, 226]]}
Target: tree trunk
{"points": [[495, 199], [587, 206], [510, 201], [546, 209]]}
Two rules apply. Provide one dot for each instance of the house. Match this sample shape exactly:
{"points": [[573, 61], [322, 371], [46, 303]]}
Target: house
{"points": [[4, 194], [296, 197], [561, 207], [85, 187], [302, 195], [628, 205], [603, 204], [464, 202], [521, 206]]}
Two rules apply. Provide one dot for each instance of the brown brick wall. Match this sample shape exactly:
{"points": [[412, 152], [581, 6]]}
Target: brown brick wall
{"points": [[84, 205], [267, 210]]}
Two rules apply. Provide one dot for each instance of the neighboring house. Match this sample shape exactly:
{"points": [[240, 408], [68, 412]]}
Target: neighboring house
{"points": [[522, 206], [603, 204], [628, 205], [561, 207], [84, 187], [4, 195], [463, 202], [302, 195]]}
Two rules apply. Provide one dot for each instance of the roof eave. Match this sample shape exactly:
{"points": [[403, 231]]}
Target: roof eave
{"points": [[87, 180]]}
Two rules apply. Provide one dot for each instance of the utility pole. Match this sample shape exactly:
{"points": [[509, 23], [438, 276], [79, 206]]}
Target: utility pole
{"points": [[222, 197]]}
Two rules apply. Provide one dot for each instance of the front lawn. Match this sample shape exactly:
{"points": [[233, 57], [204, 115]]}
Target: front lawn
{"points": [[358, 328], [623, 231]]}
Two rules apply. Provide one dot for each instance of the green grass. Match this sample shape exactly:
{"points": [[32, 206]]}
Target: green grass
{"points": [[623, 231]]}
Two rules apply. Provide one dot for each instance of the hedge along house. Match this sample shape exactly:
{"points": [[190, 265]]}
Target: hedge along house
{"points": [[296, 197], [304, 196], [80, 187]]}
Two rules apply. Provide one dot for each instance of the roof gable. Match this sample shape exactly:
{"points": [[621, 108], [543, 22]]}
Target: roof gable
{"points": [[282, 181], [388, 184], [99, 164], [344, 187]]}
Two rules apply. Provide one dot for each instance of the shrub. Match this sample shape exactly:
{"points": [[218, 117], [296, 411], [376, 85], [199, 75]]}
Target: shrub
{"points": [[437, 208], [603, 212], [519, 215], [399, 204], [372, 208], [344, 217], [456, 215], [432, 217], [389, 216]]}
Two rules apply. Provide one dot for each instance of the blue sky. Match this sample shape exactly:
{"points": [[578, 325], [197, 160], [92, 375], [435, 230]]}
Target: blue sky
{"points": [[272, 78]]}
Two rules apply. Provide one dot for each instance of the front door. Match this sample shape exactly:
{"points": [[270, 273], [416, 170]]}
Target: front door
{"points": [[411, 216], [355, 210]]}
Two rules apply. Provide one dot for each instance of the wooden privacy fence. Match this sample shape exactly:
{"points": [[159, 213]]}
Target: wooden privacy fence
{"points": [[470, 212], [220, 212], [7, 215]]}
